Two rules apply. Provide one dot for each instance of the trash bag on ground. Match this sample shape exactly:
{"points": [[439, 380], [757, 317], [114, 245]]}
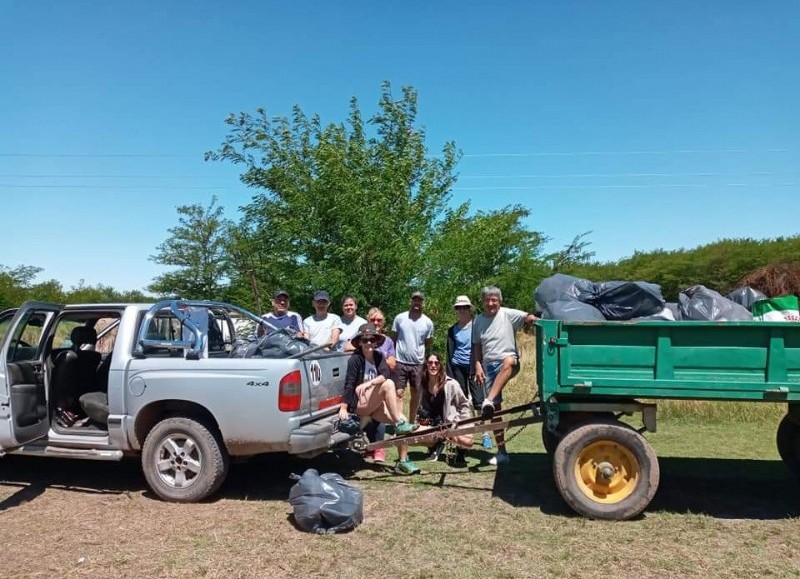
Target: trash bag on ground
{"points": [[571, 310], [700, 303], [746, 296], [561, 286], [624, 300], [325, 503]]}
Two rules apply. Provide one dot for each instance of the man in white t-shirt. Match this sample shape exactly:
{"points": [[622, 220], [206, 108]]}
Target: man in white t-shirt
{"points": [[323, 328], [494, 344], [413, 335]]}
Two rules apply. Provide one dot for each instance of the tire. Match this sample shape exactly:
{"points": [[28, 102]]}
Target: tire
{"points": [[168, 472], [566, 422], [606, 470], [788, 441]]}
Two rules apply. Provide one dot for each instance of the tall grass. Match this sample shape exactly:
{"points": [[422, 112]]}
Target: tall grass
{"points": [[524, 388]]}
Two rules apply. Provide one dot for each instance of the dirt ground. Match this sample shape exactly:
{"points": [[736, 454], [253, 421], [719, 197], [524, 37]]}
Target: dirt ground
{"points": [[712, 517]]}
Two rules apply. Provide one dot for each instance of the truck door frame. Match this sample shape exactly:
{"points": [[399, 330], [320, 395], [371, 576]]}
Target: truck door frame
{"points": [[15, 398]]}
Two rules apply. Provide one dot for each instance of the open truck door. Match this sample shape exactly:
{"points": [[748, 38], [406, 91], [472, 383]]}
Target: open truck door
{"points": [[23, 398]]}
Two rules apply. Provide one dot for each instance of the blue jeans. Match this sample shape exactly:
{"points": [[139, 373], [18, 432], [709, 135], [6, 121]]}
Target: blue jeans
{"points": [[491, 370]]}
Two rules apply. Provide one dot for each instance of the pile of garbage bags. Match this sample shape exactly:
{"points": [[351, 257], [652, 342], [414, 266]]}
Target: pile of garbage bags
{"points": [[565, 297]]}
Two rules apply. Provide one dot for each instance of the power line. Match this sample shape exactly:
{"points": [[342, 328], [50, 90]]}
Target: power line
{"points": [[650, 186], [158, 187], [596, 175], [100, 155], [609, 153]]}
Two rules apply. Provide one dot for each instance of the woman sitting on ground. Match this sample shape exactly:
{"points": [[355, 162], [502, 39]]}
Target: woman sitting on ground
{"points": [[444, 401], [370, 393]]}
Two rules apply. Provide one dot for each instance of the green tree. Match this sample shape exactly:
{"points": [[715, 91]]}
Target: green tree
{"points": [[197, 246], [337, 208]]}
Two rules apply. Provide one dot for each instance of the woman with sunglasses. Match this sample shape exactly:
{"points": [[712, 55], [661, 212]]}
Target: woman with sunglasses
{"points": [[444, 401], [370, 393], [376, 431]]}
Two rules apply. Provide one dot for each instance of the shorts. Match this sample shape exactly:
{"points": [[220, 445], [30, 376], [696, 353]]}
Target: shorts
{"points": [[463, 375], [491, 370], [405, 374]]}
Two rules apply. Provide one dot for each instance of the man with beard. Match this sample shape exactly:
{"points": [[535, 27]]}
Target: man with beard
{"points": [[413, 337]]}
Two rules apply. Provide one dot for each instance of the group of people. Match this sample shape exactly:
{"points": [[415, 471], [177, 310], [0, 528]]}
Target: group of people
{"points": [[481, 358]]}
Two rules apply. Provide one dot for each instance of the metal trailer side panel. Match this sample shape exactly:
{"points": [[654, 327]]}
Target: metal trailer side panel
{"points": [[756, 361]]}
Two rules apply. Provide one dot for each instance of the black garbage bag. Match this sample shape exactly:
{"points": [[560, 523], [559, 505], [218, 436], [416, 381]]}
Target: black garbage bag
{"points": [[700, 303], [571, 310], [674, 308], [278, 344], [745, 296], [561, 286], [623, 300], [325, 503]]}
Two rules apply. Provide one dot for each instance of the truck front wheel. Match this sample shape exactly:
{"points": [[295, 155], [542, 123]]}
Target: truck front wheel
{"points": [[606, 470], [183, 461]]}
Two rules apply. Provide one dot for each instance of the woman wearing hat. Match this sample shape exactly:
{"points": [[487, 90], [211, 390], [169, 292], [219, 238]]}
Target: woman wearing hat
{"points": [[460, 362], [370, 393]]}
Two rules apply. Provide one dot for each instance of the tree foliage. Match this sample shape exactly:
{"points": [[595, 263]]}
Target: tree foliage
{"points": [[198, 247], [360, 208]]}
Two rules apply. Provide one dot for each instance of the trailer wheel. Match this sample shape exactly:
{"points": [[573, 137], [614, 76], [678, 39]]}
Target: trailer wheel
{"points": [[606, 470], [566, 422], [183, 461], [788, 441]]}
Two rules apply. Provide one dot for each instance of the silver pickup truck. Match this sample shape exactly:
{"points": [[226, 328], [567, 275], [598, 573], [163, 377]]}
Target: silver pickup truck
{"points": [[184, 385]]}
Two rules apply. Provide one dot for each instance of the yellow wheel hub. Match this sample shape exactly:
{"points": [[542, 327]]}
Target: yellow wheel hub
{"points": [[606, 471]]}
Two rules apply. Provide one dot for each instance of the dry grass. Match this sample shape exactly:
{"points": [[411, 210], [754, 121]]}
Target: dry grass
{"points": [[726, 508]]}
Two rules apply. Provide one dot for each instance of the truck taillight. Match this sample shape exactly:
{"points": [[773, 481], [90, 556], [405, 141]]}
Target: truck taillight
{"points": [[290, 392]]}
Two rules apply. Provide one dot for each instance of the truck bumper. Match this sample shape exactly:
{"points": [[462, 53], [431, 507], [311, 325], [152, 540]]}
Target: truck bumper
{"points": [[316, 437]]}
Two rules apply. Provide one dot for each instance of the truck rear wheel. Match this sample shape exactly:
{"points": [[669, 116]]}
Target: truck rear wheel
{"points": [[606, 470], [183, 461], [788, 441]]}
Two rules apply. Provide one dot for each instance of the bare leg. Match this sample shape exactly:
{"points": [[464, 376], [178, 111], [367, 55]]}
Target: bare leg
{"points": [[506, 370]]}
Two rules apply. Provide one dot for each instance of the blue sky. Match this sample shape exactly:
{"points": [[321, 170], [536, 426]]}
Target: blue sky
{"points": [[654, 125]]}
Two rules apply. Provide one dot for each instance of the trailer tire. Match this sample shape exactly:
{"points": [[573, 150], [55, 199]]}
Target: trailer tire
{"points": [[566, 422], [183, 460], [606, 470], [788, 442]]}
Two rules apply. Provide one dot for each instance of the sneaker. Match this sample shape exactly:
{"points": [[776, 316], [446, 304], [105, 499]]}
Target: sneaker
{"points": [[435, 452], [380, 455], [487, 409], [406, 467], [404, 427], [500, 458], [486, 441]]}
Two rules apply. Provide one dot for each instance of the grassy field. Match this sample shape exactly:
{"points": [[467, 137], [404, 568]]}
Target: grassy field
{"points": [[726, 507]]}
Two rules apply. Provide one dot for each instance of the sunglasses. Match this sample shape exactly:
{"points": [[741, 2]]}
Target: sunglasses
{"points": [[368, 340], [462, 307], [376, 319], [433, 363]]}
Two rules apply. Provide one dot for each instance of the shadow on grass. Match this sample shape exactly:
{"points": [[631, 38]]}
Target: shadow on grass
{"points": [[721, 488]]}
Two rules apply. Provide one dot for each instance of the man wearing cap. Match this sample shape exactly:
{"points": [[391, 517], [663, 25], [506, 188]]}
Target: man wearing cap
{"points": [[323, 328], [413, 337], [280, 317]]}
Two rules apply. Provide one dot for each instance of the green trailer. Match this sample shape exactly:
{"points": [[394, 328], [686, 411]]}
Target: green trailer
{"points": [[591, 374]]}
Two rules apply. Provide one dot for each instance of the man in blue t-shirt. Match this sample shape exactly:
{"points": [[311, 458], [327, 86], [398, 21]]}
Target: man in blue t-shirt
{"points": [[280, 317]]}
